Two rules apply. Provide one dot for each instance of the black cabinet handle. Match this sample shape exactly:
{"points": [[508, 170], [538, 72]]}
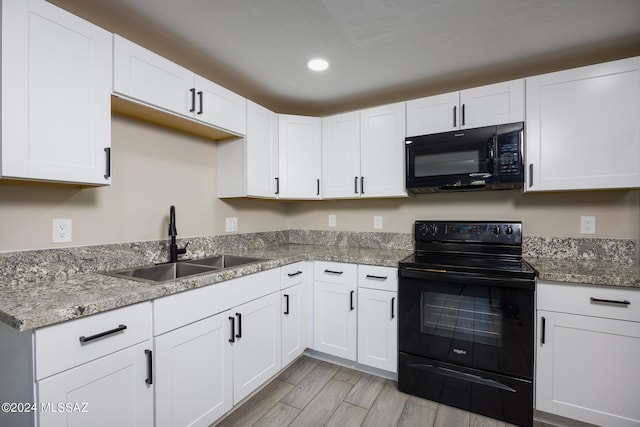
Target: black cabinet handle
{"points": [[201, 104], [317, 187], [355, 185], [277, 185], [351, 307], [149, 379], [455, 113], [107, 152], [362, 185], [542, 334], [233, 329], [120, 328], [393, 302], [286, 310], [371, 276], [193, 100], [239, 334], [334, 272], [463, 119], [530, 175], [297, 273], [610, 301]]}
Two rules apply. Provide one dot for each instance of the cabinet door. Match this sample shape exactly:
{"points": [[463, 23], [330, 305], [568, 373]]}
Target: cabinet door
{"points": [[341, 156], [56, 95], [382, 151], [193, 373], [587, 368], [294, 322], [144, 76], [335, 319], [261, 151], [257, 347], [433, 114], [583, 128], [492, 104], [299, 156], [110, 391], [220, 107], [378, 329]]}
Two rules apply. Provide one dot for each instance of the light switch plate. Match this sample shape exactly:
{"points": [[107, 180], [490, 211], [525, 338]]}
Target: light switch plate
{"points": [[332, 220], [377, 223], [231, 224]]}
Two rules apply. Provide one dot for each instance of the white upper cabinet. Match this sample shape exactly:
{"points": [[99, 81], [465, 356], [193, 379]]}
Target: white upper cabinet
{"points": [[146, 77], [299, 156], [261, 151], [382, 133], [470, 108], [56, 87], [341, 156], [582, 128]]}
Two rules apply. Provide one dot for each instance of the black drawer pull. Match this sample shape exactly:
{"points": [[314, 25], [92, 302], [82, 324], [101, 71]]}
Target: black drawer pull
{"points": [[239, 316], [610, 301], [371, 276], [297, 273], [120, 328], [233, 329], [149, 379], [334, 272]]}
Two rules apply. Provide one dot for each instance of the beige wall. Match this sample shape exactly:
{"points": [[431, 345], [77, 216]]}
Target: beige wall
{"points": [[154, 167], [543, 214]]}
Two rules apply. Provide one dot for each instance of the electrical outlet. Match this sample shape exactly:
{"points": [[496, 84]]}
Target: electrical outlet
{"points": [[231, 224], [587, 225], [377, 223], [332, 220], [61, 231]]}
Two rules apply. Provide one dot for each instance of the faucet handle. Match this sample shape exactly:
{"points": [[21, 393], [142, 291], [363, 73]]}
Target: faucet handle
{"points": [[183, 250]]}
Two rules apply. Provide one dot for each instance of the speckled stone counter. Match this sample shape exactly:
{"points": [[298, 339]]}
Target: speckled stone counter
{"points": [[33, 304], [44, 287]]}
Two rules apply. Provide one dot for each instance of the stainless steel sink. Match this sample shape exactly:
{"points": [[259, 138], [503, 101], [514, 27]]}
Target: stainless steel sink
{"points": [[225, 261], [174, 270]]}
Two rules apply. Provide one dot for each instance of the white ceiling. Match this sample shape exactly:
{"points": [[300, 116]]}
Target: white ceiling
{"points": [[380, 50]]}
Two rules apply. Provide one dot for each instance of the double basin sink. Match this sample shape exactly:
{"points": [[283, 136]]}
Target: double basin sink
{"points": [[175, 270]]}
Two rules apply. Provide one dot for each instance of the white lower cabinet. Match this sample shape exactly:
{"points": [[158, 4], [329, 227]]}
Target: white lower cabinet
{"points": [[588, 344], [377, 317], [194, 373], [334, 309], [256, 347], [293, 300], [115, 390]]}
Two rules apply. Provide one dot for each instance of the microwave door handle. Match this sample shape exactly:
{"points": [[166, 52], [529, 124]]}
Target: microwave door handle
{"points": [[491, 154]]}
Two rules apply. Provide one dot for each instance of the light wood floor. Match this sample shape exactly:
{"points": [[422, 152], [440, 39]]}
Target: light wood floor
{"points": [[311, 392]]}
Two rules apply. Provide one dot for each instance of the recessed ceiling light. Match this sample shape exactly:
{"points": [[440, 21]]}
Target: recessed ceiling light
{"points": [[318, 64]]}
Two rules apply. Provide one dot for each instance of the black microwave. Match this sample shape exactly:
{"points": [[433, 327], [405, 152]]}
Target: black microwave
{"points": [[486, 158]]}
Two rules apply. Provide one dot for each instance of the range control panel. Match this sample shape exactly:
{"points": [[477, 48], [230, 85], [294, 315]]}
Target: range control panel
{"points": [[506, 232]]}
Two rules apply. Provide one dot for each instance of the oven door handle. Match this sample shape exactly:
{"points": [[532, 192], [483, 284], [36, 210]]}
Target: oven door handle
{"points": [[467, 279]]}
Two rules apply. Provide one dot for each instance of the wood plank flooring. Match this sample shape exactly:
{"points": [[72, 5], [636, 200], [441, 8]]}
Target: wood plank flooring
{"points": [[311, 393]]}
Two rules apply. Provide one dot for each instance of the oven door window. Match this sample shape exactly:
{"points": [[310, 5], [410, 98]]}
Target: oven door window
{"points": [[479, 323]]}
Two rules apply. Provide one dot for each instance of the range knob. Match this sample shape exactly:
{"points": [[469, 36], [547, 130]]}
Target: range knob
{"points": [[497, 229], [508, 230]]}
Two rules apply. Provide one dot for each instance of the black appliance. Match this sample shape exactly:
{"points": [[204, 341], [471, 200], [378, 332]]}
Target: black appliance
{"points": [[466, 312], [486, 158]]}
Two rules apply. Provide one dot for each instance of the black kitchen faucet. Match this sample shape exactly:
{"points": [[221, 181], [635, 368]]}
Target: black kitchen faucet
{"points": [[174, 251]]}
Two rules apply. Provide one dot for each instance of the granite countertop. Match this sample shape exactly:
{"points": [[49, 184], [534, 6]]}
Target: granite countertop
{"points": [[590, 272], [46, 302]]}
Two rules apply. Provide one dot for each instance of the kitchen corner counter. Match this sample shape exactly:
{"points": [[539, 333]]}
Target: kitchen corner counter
{"points": [[590, 272], [32, 305]]}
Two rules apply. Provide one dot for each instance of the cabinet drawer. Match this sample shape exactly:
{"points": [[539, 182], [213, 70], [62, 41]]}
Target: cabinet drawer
{"points": [[73, 343], [335, 272], [293, 274], [598, 301], [376, 277]]}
